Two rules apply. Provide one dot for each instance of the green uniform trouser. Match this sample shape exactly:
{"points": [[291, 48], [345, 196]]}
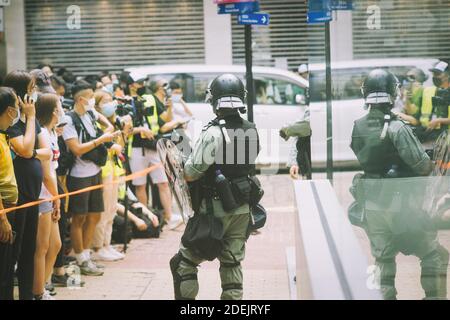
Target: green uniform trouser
{"points": [[385, 245], [235, 236]]}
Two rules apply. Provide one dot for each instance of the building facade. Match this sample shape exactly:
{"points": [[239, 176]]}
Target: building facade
{"points": [[89, 36]]}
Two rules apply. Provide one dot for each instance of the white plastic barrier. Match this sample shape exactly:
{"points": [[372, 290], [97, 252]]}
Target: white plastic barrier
{"points": [[330, 263]]}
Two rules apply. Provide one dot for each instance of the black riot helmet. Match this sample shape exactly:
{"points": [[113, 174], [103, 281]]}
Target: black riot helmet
{"points": [[380, 87], [226, 92]]}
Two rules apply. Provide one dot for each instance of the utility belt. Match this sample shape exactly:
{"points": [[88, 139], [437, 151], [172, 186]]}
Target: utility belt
{"points": [[232, 193]]}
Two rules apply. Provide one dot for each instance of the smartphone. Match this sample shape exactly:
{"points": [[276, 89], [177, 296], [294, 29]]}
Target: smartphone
{"points": [[27, 98], [62, 124]]}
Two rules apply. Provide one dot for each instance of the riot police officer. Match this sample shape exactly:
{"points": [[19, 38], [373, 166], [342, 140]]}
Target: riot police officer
{"points": [[386, 149], [227, 147]]}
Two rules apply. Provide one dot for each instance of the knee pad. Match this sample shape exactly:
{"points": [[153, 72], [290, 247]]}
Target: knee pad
{"points": [[177, 278]]}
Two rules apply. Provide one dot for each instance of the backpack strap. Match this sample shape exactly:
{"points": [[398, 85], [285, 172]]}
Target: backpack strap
{"points": [[76, 122], [80, 127]]}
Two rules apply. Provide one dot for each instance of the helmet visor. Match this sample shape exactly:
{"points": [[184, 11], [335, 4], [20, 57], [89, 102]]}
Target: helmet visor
{"points": [[230, 103]]}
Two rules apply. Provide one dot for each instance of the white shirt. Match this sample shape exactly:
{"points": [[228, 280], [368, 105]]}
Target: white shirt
{"points": [[82, 168], [179, 114], [52, 139]]}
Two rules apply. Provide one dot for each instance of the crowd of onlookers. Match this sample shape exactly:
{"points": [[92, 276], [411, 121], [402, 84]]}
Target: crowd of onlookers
{"points": [[60, 133]]}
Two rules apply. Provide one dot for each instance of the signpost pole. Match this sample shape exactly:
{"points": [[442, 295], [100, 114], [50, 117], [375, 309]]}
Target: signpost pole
{"points": [[247, 15], [329, 108], [249, 71]]}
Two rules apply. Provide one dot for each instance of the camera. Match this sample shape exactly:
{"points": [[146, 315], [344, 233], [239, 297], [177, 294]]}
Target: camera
{"points": [[441, 101], [124, 110]]}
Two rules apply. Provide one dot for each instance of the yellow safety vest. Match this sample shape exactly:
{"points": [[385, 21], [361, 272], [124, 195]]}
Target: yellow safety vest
{"points": [[152, 120], [427, 105], [111, 167]]}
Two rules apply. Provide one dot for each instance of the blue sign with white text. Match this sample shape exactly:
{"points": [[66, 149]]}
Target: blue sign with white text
{"points": [[238, 8], [254, 18], [341, 5], [319, 11]]}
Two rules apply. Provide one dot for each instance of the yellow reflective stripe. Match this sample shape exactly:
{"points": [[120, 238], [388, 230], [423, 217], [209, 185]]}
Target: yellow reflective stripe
{"points": [[427, 105], [122, 189], [153, 119], [130, 146]]}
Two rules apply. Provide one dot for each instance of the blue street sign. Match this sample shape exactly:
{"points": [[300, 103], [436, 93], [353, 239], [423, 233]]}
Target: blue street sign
{"points": [[341, 5], [238, 8], [319, 11], [254, 18]]}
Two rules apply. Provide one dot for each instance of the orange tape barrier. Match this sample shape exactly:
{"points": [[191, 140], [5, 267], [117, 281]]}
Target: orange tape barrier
{"points": [[443, 165], [100, 186]]}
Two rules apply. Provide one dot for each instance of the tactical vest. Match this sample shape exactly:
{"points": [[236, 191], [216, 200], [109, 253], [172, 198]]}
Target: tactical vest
{"points": [[376, 156], [243, 137], [152, 120]]}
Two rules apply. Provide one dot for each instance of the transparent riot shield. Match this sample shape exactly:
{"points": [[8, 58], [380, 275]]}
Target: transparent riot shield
{"points": [[172, 160]]}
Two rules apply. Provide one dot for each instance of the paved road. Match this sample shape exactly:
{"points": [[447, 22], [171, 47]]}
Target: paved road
{"points": [[144, 274]]}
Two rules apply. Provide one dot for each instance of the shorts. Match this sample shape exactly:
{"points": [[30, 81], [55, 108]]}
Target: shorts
{"points": [[88, 202], [139, 162], [46, 207]]}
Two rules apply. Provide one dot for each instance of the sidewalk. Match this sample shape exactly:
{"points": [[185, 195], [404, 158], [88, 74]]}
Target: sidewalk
{"points": [[145, 273]]}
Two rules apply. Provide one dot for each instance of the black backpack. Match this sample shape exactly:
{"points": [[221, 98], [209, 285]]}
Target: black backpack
{"points": [[151, 231], [118, 233], [67, 158]]}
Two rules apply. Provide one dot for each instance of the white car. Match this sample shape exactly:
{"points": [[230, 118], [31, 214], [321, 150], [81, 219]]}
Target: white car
{"points": [[347, 102], [280, 98]]}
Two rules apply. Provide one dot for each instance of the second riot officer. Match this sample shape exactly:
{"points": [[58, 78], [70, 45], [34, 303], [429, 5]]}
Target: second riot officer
{"points": [[391, 157], [220, 167]]}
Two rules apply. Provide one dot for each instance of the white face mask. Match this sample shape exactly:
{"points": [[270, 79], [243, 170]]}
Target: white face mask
{"points": [[176, 98], [108, 109], [91, 104], [109, 88]]}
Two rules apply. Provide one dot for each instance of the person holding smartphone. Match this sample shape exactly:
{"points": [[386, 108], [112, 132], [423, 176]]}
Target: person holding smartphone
{"points": [[86, 208], [27, 143], [48, 112], [9, 115]]}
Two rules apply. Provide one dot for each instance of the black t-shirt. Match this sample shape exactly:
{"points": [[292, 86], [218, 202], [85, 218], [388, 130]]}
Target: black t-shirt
{"points": [[28, 172], [140, 121]]}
